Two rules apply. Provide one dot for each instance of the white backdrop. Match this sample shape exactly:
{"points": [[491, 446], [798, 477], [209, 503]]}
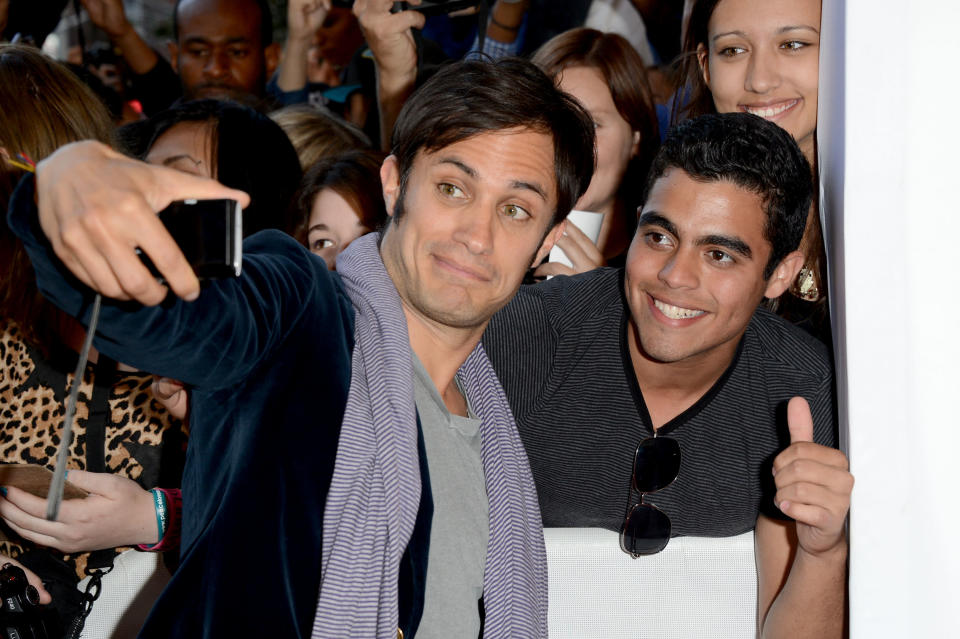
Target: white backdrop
{"points": [[889, 135]]}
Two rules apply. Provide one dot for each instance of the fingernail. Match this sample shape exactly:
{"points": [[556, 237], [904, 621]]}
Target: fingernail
{"points": [[783, 504], [192, 297], [773, 471], [3, 491]]}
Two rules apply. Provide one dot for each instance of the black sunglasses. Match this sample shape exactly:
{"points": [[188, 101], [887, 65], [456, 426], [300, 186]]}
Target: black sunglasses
{"points": [[646, 529]]}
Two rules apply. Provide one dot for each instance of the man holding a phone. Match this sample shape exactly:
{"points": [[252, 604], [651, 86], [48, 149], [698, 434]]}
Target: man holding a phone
{"points": [[349, 435]]}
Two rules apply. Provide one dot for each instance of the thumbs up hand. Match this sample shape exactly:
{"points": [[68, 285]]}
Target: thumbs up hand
{"points": [[813, 484]]}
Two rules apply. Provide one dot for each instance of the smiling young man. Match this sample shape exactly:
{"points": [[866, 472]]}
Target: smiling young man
{"points": [[674, 346], [347, 429]]}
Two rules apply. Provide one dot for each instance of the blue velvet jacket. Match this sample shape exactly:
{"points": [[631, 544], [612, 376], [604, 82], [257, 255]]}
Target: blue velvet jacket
{"points": [[268, 359]]}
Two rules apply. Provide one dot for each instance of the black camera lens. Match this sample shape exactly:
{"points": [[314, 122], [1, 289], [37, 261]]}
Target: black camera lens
{"points": [[32, 595]]}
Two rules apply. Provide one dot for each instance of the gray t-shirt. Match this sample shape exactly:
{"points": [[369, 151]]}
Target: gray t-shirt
{"points": [[458, 532]]}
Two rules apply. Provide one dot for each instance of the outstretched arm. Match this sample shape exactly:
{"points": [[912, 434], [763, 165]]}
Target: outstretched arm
{"points": [[96, 207], [802, 565]]}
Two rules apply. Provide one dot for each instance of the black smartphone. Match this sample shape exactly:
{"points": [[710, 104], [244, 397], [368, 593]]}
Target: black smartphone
{"points": [[209, 233], [435, 7]]}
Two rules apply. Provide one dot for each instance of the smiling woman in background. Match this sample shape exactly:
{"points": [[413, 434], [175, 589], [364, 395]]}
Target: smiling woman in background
{"points": [[762, 57]]}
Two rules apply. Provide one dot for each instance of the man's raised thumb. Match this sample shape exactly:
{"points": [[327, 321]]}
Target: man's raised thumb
{"points": [[799, 420]]}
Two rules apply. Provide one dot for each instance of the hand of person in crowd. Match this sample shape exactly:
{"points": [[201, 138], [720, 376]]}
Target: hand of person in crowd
{"points": [[109, 16], [97, 206], [395, 53], [32, 578], [813, 484], [582, 252], [304, 17], [117, 512], [172, 395], [388, 36]]}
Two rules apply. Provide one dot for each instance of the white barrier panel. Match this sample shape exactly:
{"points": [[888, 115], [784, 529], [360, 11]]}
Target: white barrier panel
{"points": [[889, 141], [695, 588]]}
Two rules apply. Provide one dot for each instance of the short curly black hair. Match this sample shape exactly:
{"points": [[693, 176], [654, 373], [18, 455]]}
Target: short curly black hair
{"points": [[752, 153]]}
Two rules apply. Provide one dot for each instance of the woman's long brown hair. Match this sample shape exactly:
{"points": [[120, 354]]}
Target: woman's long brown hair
{"points": [[45, 106]]}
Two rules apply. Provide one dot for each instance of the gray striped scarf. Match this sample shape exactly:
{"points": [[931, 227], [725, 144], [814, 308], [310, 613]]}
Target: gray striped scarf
{"points": [[375, 490]]}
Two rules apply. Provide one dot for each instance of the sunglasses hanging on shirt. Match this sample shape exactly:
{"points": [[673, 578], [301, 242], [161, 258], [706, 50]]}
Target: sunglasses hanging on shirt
{"points": [[646, 529]]}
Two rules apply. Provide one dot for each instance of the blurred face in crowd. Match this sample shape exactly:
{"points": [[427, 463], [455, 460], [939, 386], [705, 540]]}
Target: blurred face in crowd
{"points": [[186, 147], [695, 270], [475, 216], [763, 57], [333, 224], [219, 53], [338, 38], [616, 142]]}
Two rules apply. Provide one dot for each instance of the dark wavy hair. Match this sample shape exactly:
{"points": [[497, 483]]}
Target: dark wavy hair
{"points": [[752, 153], [467, 98], [251, 152], [690, 78]]}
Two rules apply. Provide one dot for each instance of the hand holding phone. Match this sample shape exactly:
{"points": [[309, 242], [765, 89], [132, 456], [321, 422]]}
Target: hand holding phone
{"points": [[95, 205], [209, 234]]}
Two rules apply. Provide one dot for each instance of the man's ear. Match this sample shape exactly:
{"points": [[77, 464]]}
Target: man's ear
{"points": [[390, 179], [784, 275], [703, 59], [271, 58], [552, 236], [174, 52]]}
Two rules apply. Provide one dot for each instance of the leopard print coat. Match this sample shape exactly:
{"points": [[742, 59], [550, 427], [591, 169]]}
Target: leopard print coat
{"points": [[142, 441]]}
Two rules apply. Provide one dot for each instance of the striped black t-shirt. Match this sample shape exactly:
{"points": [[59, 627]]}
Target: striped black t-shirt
{"points": [[560, 351]]}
